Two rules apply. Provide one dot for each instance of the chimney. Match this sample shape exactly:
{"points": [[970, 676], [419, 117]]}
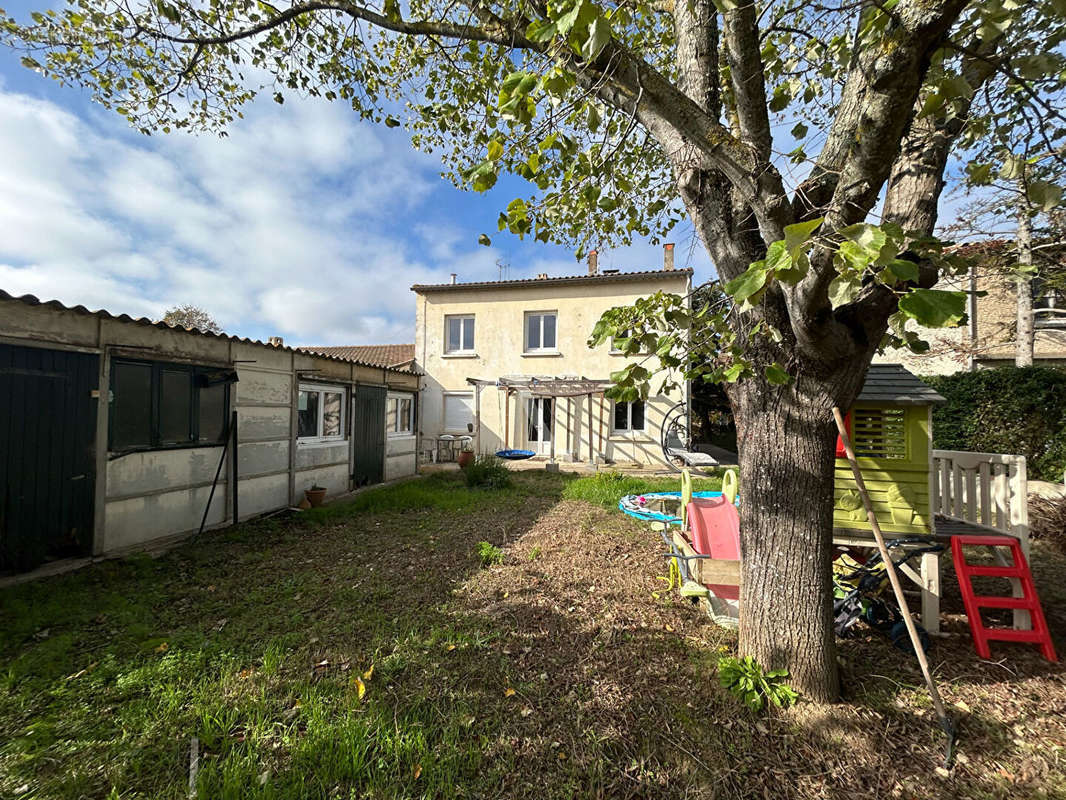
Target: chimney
{"points": [[276, 341], [594, 262], [668, 257], [543, 276], [454, 277]]}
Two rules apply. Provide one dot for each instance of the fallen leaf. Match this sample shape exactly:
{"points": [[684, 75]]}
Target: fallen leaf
{"points": [[508, 692], [264, 777], [369, 673], [417, 771], [561, 756], [525, 712], [450, 647], [670, 628], [360, 687], [162, 648]]}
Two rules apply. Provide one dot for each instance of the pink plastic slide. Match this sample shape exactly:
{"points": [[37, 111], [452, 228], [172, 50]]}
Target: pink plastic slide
{"points": [[715, 526]]}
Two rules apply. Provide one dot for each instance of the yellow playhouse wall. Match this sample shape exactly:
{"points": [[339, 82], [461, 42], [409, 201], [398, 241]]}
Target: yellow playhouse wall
{"points": [[899, 488]]}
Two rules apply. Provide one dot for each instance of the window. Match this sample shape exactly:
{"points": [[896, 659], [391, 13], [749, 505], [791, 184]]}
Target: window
{"points": [[155, 405], [879, 432], [458, 412], [459, 333], [540, 331], [320, 413], [629, 416], [399, 415], [1049, 305]]}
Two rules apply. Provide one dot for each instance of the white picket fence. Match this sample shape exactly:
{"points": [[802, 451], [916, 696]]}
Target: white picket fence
{"points": [[987, 489]]}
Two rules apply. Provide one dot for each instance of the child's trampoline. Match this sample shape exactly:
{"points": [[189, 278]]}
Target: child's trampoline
{"points": [[515, 455]]}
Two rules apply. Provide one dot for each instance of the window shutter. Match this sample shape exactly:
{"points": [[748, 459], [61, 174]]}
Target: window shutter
{"points": [[879, 433], [458, 412]]}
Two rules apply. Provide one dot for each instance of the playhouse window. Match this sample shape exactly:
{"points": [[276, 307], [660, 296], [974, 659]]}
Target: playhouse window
{"points": [[879, 432]]}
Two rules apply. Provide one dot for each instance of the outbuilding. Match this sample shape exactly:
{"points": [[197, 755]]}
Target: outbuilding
{"points": [[119, 433]]}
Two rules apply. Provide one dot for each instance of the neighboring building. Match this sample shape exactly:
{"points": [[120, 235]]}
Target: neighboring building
{"points": [[988, 338], [508, 363], [83, 477], [397, 356]]}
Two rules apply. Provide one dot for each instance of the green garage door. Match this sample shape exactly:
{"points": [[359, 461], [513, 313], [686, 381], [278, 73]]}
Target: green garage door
{"points": [[368, 435], [47, 436]]}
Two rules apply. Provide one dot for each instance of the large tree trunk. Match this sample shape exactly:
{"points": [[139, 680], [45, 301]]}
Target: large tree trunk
{"points": [[786, 438]]}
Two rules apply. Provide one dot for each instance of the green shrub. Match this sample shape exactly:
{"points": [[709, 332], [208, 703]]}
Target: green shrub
{"points": [[606, 488], [487, 472], [1016, 410], [746, 679], [489, 554]]}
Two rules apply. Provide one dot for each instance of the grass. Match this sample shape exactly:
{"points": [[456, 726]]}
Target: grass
{"points": [[359, 651], [605, 488]]}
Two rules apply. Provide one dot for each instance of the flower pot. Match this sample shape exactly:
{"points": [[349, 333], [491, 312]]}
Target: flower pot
{"points": [[315, 496], [465, 458]]}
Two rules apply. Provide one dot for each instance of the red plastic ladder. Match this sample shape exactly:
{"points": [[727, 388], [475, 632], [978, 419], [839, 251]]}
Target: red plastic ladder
{"points": [[1029, 601]]}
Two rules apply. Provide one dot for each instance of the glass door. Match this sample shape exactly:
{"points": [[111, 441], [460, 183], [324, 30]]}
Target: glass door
{"points": [[539, 424]]}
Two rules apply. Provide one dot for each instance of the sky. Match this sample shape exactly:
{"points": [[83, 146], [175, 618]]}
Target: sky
{"points": [[304, 222]]}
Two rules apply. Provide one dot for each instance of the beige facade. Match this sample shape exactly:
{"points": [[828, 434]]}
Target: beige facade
{"points": [[988, 337], [501, 345], [143, 494]]}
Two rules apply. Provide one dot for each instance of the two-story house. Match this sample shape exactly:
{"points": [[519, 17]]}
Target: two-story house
{"points": [[507, 362]]}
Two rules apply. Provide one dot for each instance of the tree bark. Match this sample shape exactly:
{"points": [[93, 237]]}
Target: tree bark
{"points": [[786, 440], [1025, 338]]}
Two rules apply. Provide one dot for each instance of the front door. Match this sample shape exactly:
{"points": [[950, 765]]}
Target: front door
{"points": [[368, 435], [539, 424]]}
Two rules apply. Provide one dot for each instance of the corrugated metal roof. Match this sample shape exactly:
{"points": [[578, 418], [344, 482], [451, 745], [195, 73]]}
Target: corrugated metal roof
{"points": [[385, 355], [30, 300], [892, 384], [611, 277]]}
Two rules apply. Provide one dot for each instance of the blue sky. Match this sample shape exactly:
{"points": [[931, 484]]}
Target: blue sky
{"points": [[304, 222]]}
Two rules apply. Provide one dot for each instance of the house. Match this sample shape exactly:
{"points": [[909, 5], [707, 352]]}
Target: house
{"points": [[117, 433], [507, 363], [988, 337]]}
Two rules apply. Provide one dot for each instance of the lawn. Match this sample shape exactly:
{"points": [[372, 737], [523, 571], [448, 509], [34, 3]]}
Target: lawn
{"points": [[363, 651]]}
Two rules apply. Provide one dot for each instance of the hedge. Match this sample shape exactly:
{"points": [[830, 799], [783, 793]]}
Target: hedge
{"points": [[1016, 410]]}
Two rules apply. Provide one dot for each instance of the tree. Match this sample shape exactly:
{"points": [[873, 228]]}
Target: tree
{"points": [[190, 316], [625, 117]]}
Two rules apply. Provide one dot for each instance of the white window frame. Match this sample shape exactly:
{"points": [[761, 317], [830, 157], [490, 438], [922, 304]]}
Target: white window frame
{"points": [[444, 411], [629, 417], [525, 332], [321, 389], [462, 319], [399, 397]]}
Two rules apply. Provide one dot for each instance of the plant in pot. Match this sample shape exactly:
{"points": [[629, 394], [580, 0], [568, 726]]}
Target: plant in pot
{"points": [[466, 455], [315, 495]]}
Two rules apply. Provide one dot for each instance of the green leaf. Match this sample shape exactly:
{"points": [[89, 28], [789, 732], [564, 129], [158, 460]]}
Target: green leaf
{"points": [[799, 131], [495, 150], [1044, 195], [843, 289], [1013, 167], [798, 234], [776, 375], [980, 174], [484, 240], [749, 283], [599, 35], [541, 30], [392, 122], [901, 269], [934, 308]]}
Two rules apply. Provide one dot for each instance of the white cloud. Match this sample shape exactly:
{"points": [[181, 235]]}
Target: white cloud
{"points": [[303, 222]]}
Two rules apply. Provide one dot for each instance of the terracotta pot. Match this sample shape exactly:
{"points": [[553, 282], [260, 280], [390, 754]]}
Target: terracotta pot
{"points": [[465, 458], [315, 497]]}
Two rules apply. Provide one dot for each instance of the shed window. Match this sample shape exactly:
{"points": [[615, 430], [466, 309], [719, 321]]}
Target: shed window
{"points": [[399, 415], [155, 405], [320, 413], [879, 432]]}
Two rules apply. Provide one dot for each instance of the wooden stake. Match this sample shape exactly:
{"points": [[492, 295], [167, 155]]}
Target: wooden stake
{"points": [[506, 418], [893, 577], [590, 429]]}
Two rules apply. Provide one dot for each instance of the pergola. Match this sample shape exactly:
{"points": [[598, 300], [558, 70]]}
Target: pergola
{"points": [[550, 386]]}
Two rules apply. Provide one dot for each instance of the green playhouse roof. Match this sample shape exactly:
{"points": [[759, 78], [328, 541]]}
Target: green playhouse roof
{"points": [[893, 385]]}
